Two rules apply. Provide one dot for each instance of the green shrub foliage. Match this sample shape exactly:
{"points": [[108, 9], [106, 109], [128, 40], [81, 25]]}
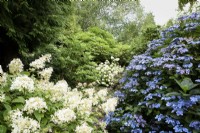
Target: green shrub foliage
{"points": [[161, 91]]}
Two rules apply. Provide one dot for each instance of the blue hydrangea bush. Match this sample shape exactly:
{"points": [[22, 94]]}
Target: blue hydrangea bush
{"points": [[161, 91]]}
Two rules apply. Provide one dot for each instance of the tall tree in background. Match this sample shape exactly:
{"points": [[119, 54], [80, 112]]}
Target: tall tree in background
{"points": [[124, 19], [25, 24], [182, 3]]}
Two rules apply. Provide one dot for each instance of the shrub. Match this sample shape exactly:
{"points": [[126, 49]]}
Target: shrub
{"points": [[161, 86], [31, 103], [109, 72]]}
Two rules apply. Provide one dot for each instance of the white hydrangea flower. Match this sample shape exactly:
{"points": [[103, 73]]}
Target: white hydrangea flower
{"points": [[23, 82], [15, 114], [25, 125], [3, 76], [109, 105], [44, 85], [102, 94], [1, 70], [90, 92], [46, 73], [59, 91], [108, 72], [15, 66], [84, 128], [62, 85], [35, 104], [40, 63], [103, 125], [63, 116], [2, 97], [22, 124], [72, 99], [85, 106]]}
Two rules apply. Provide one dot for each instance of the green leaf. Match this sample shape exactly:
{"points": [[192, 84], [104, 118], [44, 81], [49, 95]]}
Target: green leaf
{"points": [[18, 106], [18, 100], [173, 94], [5, 114], [44, 122], [3, 129], [7, 106], [26, 73], [7, 99], [195, 91], [38, 115], [186, 84]]}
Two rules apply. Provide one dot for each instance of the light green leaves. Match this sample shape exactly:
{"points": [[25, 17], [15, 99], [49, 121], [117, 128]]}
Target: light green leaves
{"points": [[3, 129], [38, 115], [18, 100], [186, 84]]}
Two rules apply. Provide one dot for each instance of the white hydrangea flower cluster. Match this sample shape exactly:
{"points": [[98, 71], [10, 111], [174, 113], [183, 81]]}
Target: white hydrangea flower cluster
{"points": [[15, 66], [109, 105], [3, 76], [63, 116], [108, 71], [54, 101], [46, 73], [102, 94], [89, 92], [23, 82], [35, 104], [40, 63], [103, 126], [72, 99], [59, 91], [86, 85], [85, 107], [44, 85], [84, 128], [97, 97], [1, 70], [22, 124], [2, 97]]}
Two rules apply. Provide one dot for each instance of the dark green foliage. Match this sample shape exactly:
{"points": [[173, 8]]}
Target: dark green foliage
{"points": [[25, 24], [182, 3], [66, 30]]}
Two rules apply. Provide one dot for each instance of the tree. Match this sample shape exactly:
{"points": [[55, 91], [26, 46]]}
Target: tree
{"points": [[26, 24], [182, 3]]}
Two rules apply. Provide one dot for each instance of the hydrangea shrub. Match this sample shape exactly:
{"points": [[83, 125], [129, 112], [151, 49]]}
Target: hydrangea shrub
{"points": [[161, 91], [31, 103], [109, 72]]}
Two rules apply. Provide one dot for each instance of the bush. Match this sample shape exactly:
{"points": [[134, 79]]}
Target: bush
{"points": [[161, 86], [109, 72], [31, 103]]}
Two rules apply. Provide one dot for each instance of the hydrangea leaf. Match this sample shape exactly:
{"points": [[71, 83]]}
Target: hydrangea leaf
{"points": [[38, 115], [44, 122], [186, 84], [3, 129], [7, 99], [26, 73], [18, 106], [195, 91], [7, 106], [173, 94], [18, 100]]}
